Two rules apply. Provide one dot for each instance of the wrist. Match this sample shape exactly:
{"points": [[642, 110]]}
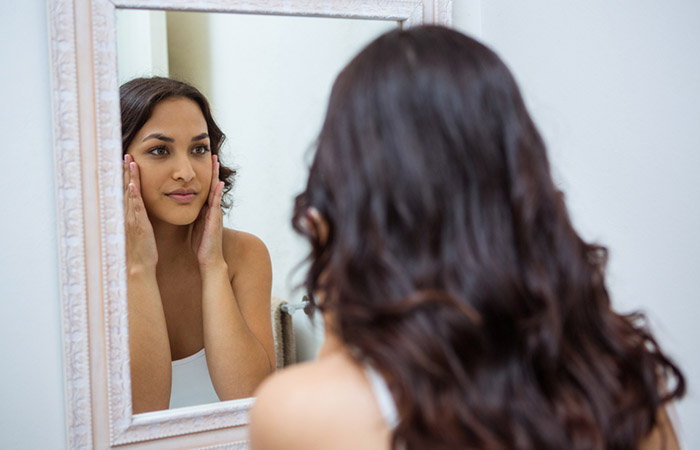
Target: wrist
{"points": [[140, 270], [216, 266]]}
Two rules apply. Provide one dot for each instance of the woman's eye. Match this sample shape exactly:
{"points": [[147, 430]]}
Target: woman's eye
{"points": [[200, 150], [158, 151]]}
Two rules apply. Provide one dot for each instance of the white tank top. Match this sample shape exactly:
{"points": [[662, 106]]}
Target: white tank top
{"points": [[383, 396], [191, 382]]}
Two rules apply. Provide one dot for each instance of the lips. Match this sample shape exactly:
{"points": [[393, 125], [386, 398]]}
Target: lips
{"points": [[182, 196]]}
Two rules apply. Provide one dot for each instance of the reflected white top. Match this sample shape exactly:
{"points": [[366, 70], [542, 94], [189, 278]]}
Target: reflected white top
{"points": [[191, 382]]}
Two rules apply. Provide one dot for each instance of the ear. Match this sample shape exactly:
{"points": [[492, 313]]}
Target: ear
{"points": [[317, 223]]}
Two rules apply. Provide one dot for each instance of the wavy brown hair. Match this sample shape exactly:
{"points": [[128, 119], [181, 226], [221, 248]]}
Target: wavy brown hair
{"points": [[451, 264], [138, 97]]}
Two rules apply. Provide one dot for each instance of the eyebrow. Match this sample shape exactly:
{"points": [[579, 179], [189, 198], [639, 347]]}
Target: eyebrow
{"points": [[158, 136], [165, 138], [199, 137]]}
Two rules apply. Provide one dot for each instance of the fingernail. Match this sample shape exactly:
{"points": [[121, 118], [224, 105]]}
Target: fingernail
{"points": [[131, 166], [131, 187]]}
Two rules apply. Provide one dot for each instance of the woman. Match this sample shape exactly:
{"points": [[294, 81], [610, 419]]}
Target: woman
{"points": [[199, 293], [462, 310]]}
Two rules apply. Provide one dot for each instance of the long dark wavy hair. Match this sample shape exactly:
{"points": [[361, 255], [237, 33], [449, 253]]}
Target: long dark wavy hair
{"points": [[138, 97], [451, 265]]}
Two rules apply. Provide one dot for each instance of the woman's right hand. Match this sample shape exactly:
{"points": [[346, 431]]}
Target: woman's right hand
{"points": [[141, 250], [149, 347]]}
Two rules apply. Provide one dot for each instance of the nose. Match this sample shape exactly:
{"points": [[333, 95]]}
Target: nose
{"points": [[183, 169]]}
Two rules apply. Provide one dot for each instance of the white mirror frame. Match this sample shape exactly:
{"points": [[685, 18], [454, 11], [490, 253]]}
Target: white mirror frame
{"points": [[87, 144]]}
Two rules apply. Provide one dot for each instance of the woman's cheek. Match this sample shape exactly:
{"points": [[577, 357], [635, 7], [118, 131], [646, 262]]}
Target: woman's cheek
{"points": [[205, 176], [148, 191]]}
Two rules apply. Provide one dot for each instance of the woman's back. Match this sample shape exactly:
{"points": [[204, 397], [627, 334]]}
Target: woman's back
{"points": [[330, 404], [327, 404], [445, 258]]}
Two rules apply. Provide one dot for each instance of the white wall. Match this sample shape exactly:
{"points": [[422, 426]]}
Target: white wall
{"points": [[31, 377], [615, 90], [142, 46]]}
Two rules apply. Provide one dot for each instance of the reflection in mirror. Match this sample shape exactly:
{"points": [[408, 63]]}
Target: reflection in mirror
{"points": [[198, 293], [267, 79]]}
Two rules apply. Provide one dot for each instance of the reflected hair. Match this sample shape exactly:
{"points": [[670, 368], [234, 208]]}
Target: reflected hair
{"points": [[451, 265], [139, 96]]}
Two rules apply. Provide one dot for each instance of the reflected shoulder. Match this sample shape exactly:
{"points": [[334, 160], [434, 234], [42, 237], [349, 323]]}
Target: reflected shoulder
{"points": [[244, 250], [663, 436], [241, 241]]}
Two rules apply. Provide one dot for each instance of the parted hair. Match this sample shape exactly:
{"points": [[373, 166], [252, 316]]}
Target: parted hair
{"points": [[138, 97], [451, 265]]}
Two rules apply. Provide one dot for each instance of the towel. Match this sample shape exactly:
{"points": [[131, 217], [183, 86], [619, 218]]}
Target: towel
{"points": [[283, 334]]}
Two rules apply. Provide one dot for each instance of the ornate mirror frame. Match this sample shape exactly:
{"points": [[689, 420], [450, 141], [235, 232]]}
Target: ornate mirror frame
{"points": [[87, 143]]}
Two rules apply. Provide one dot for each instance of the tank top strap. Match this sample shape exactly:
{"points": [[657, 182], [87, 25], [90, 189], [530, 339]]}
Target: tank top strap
{"points": [[383, 396]]}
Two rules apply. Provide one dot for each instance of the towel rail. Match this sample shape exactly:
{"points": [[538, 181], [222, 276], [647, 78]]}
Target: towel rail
{"points": [[291, 308]]}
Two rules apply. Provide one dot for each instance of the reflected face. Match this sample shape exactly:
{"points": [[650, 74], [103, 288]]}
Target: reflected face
{"points": [[172, 150]]}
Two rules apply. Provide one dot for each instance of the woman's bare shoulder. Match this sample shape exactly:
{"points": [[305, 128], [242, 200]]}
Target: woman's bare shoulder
{"points": [[242, 243], [324, 404], [663, 436], [244, 251]]}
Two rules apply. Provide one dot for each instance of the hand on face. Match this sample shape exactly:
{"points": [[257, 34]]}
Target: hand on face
{"points": [[208, 228], [141, 251], [173, 153]]}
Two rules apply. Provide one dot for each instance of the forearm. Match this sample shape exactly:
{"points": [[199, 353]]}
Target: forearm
{"points": [[151, 368], [236, 359]]}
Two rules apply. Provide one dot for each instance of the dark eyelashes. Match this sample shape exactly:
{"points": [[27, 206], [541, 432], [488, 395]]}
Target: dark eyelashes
{"points": [[155, 150], [204, 147], [162, 150]]}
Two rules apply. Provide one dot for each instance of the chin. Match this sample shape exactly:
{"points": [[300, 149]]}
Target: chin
{"points": [[184, 219], [184, 222], [180, 216]]}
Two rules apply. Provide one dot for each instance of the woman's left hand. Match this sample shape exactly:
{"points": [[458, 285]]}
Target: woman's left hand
{"points": [[208, 227]]}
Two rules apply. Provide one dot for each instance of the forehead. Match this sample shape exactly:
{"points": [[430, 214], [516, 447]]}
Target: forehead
{"points": [[176, 113]]}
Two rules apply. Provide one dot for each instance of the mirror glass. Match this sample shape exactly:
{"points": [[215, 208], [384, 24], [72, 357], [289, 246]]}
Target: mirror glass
{"points": [[267, 79]]}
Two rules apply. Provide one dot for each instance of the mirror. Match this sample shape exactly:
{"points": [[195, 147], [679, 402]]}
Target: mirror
{"points": [[270, 122], [88, 142]]}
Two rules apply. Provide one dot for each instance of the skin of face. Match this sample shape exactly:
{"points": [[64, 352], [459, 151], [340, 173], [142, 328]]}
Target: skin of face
{"points": [[172, 150]]}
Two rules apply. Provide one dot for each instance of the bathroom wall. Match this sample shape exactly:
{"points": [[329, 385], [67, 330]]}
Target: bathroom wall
{"points": [[31, 371], [142, 46], [614, 87]]}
